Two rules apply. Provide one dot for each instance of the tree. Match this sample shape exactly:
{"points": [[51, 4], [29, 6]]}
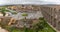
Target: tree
{"points": [[3, 10], [25, 15]]}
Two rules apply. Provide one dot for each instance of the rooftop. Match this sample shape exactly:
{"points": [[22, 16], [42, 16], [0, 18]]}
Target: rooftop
{"points": [[24, 8]]}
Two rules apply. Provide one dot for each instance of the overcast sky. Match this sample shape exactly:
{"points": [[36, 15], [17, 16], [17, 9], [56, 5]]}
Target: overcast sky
{"points": [[7, 2]]}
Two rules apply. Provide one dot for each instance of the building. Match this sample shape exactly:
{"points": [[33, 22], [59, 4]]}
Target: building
{"points": [[15, 20], [33, 12], [51, 14], [24, 7]]}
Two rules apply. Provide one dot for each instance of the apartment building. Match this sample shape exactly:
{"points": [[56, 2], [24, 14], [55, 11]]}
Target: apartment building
{"points": [[52, 15], [25, 7]]}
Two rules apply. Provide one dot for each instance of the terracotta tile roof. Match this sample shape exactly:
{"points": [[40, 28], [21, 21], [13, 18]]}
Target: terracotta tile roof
{"points": [[24, 8]]}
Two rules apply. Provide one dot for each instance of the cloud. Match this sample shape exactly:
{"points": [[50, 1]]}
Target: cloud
{"points": [[8, 2]]}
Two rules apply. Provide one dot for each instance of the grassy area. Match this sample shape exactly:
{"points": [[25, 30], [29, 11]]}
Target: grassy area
{"points": [[47, 29], [42, 27]]}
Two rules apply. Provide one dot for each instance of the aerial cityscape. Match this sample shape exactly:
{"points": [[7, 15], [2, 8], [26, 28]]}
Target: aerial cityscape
{"points": [[29, 15], [29, 18]]}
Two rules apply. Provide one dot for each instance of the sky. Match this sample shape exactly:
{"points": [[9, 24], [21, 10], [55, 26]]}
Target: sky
{"points": [[8, 2]]}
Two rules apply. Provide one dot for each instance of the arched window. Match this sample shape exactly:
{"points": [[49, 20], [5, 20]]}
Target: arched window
{"points": [[58, 25], [54, 22]]}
